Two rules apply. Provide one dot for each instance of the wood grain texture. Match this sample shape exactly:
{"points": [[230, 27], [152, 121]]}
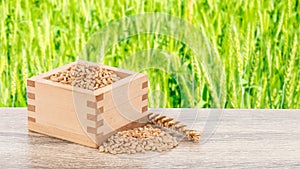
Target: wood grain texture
{"points": [[30, 83], [62, 134], [231, 139], [30, 95], [66, 111], [31, 108]]}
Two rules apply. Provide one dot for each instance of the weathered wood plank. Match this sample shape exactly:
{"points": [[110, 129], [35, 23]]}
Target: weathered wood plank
{"points": [[231, 139]]}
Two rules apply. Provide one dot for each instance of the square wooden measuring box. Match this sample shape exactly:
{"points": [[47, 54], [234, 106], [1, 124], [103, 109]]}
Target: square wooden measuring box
{"points": [[84, 116]]}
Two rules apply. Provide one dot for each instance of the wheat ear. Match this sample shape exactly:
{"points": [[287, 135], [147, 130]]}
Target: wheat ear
{"points": [[175, 125]]}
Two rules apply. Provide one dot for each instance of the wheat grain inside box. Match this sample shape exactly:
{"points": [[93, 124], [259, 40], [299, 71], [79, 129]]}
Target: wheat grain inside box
{"points": [[83, 103]]}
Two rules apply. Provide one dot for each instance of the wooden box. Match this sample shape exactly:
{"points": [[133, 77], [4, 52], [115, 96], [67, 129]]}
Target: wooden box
{"points": [[84, 116]]}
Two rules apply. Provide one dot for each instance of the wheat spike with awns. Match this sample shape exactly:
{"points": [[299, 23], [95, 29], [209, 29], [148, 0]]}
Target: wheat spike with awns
{"points": [[174, 125]]}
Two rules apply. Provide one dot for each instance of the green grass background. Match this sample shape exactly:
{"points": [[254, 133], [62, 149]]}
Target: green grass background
{"points": [[257, 41]]}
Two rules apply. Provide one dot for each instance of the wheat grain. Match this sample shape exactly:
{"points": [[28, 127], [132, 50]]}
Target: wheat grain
{"points": [[190, 11], [64, 30], [238, 53], [14, 83], [279, 27], [246, 48], [86, 76], [289, 79], [24, 67], [138, 140], [172, 124]]}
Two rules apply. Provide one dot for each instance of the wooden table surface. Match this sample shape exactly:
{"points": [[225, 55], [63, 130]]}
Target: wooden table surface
{"points": [[231, 139]]}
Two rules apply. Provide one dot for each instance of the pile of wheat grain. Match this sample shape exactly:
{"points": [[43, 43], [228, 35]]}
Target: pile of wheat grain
{"points": [[147, 138], [86, 76]]}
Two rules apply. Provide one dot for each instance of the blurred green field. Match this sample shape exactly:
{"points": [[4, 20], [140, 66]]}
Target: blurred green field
{"points": [[257, 41]]}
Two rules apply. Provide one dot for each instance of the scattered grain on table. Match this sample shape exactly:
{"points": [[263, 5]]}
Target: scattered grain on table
{"points": [[138, 140]]}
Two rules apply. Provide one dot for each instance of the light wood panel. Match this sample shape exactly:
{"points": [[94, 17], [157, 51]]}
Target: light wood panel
{"points": [[238, 139], [92, 115]]}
